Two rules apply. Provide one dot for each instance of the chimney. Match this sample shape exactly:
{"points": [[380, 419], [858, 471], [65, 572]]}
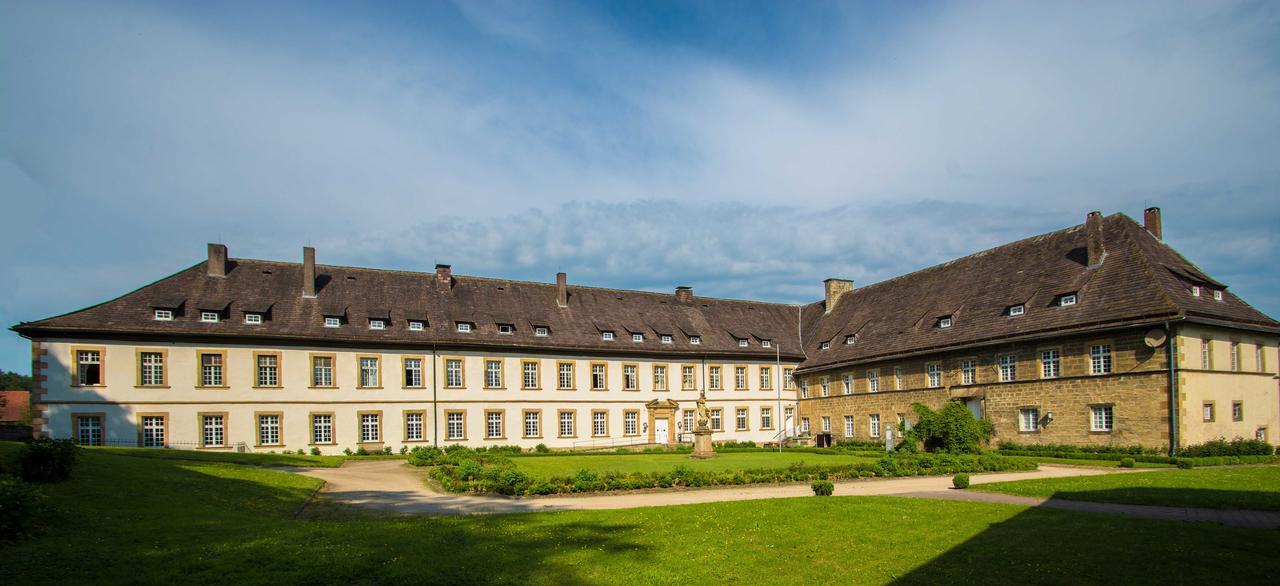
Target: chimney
{"points": [[1151, 221], [684, 294], [836, 288], [444, 277], [308, 272], [1093, 232], [562, 290], [217, 260]]}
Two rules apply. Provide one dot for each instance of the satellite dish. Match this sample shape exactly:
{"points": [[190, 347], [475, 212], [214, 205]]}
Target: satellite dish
{"points": [[1155, 338]]}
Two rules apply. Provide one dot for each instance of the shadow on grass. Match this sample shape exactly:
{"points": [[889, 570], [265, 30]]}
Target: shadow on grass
{"points": [[1208, 498]]}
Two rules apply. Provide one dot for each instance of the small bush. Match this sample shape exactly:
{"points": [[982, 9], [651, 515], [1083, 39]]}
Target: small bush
{"points": [[1186, 464], [823, 487], [346, 451], [20, 506], [1128, 463], [315, 451], [542, 449], [47, 460], [386, 450], [1222, 447], [360, 451], [404, 450], [960, 481]]}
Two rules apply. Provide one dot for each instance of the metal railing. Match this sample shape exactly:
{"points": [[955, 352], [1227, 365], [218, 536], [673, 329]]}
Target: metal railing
{"points": [[604, 443]]}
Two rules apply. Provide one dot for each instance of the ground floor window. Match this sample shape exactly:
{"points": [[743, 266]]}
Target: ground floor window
{"points": [[875, 425], [370, 427], [213, 432], [717, 420], [766, 417], [599, 423], [741, 416], [322, 428], [804, 425], [268, 430], [454, 428], [631, 423], [89, 430], [826, 424], [1028, 419], [532, 424], [413, 427], [848, 426], [493, 424], [1261, 434], [567, 426], [153, 431], [688, 421], [1103, 418]]}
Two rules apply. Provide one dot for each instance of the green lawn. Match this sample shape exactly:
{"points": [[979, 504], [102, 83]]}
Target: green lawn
{"points": [[148, 520], [1243, 487], [251, 459], [545, 466]]}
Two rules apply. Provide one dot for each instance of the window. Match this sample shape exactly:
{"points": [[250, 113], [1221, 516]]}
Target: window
{"points": [[492, 374], [377, 324], [529, 374], [934, 373], [415, 326], [269, 429], [666, 338], [688, 382], [152, 368], [606, 336], [847, 380], [766, 343], [766, 418], [413, 372], [850, 339], [541, 331], [599, 423], [897, 378], [213, 430], [211, 369], [369, 377], [268, 370], [209, 317], [740, 378], [659, 377], [89, 430], [493, 427], [1195, 290], [464, 327], [630, 377], [1217, 295], [742, 342], [717, 419], [253, 318], [804, 425], [322, 428], [1103, 418], [873, 381], [1259, 358], [1100, 359], [789, 378], [968, 371], [322, 371], [825, 384], [370, 427], [88, 367], [153, 431], [848, 426], [1237, 411], [568, 428], [631, 423], [1206, 353], [713, 378], [1008, 368], [1067, 300], [1235, 356], [164, 314], [695, 340], [453, 373], [332, 322], [825, 345], [1029, 419], [637, 337], [413, 427], [506, 329], [688, 420], [804, 389], [1017, 310], [741, 414], [455, 428], [1208, 410], [944, 322], [766, 378], [565, 375], [532, 424], [1050, 364], [1260, 434], [599, 376], [874, 424], [826, 424]]}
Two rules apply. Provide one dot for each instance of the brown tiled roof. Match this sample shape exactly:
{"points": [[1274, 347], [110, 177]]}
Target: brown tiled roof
{"points": [[1140, 279], [357, 295]]}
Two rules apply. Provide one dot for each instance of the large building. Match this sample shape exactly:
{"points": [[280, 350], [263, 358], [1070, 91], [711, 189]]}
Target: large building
{"points": [[1096, 334]]}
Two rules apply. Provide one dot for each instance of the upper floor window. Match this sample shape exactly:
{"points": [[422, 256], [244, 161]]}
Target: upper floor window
{"points": [[164, 314], [695, 340], [766, 343], [253, 318], [415, 326], [1259, 358], [332, 322], [1050, 364], [873, 381], [211, 369], [1195, 290], [209, 317], [848, 383], [742, 342], [541, 331], [944, 322], [377, 324], [968, 371], [506, 329], [849, 339], [1017, 310], [1217, 295], [88, 367], [1100, 359], [935, 375], [606, 336], [151, 368], [666, 338], [1206, 353], [825, 345], [637, 337], [464, 327], [1067, 300], [1235, 356], [1008, 368]]}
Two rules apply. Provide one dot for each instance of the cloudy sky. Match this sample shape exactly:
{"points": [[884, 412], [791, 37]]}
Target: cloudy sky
{"points": [[746, 149]]}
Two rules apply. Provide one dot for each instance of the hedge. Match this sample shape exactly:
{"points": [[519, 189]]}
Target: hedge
{"points": [[1008, 446], [1196, 461]]}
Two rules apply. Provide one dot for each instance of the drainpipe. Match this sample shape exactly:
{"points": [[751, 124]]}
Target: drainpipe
{"points": [[435, 420], [1173, 389]]}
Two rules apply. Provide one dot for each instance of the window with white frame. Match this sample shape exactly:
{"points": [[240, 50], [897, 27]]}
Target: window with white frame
{"points": [[934, 373], [804, 389], [847, 380], [541, 331], [766, 378], [688, 380], [1008, 368], [897, 378], [455, 428], [826, 424], [695, 340], [850, 339], [89, 430], [1217, 295], [789, 378], [742, 342], [369, 372], [493, 374], [322, 428], [1206, 353], [1195, 290], [164, 315], [416, 326], [741, 415], [377, 324], [968, 371], [565, 375], [944, 322], [599, 380], [413, 372], [268, 370], [825, 345], [1067, 300], [637, 337], [825, 384], [740, 378], [688, 420], [321, 371], [666, 338], [713, 377], [1207, 411], [88, 367], [1235, 356], [567, 426], [1102, 418], [268, 430], [1029, 419], [766, 418], [209, 317], [1100, 359], [453, 373], [1050, 364], [532, 424], [213, 431], [413, 427], [253, 318], [210, 369], [659, 377], [493, 424], [766, 343], [1237, 410], [599, 423], [874, 424], [370, 427], [1260, 434], [630, 423], [804, 425], [506, 329], [848, 426], [529, 374], [153, 431], [873, 381], [464, 327], [1017, 310], [1259, 358], [606, 336], [717, 419], [332, 322], [630, 377], [152, 368]]}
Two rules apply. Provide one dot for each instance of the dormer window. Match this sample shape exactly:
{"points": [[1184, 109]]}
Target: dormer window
{"points": [[253, 318], [415, 326], [541, 331], [1195, 290], [210, 317], [849, 339], [666, 338], [1017, 310], [377, 324], [695, 340], [164, 314], [637, 337], [1217, 295], [944, 322], [1067, 300], [506, 329], [606, 336], [332, 322], [825, 345], [464, 327], [742, 342], [766, 343]]}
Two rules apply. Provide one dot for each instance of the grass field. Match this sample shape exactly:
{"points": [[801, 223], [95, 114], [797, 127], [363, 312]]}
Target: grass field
{"points": [[250, 459], [148, 520], [1242, 487], [544, 466]]}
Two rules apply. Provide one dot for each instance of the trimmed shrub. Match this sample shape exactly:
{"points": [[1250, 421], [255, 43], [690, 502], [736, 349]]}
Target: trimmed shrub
{"points": [[1127, 463], [1186, 464], [960, 481], [823, 487], [20, 506], [47, 460], [542, 449], [315, 451], [952, 430], [1222, 447], [1134, 450]]}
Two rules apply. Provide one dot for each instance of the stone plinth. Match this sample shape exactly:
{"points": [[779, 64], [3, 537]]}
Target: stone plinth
{"points": [[702, 444]]}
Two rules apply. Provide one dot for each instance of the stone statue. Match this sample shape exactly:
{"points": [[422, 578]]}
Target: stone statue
{"points": [[703, 413], [702, 447]]}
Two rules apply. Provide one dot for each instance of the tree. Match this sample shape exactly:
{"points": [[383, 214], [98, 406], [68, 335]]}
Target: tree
{"points": [[952, 429], [13, 380]]}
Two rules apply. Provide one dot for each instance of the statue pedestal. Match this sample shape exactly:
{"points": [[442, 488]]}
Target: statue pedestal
{"points": [[702, 444]]}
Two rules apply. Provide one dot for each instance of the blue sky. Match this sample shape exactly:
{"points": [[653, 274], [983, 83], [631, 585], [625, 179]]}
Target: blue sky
{"points": [[749, 149]]}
